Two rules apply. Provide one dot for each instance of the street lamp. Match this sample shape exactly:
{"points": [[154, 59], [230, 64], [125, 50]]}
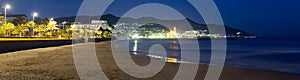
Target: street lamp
{"points": [[63, 23], [34, 14], [7, 6]]}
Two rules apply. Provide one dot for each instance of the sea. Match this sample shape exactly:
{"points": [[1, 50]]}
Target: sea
{"points": [[273, 54]]}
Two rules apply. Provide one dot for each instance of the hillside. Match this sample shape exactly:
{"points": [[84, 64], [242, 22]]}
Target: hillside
{"points": [[182, 25]]}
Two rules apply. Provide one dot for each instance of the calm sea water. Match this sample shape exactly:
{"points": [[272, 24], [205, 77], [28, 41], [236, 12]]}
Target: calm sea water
{"points": [[282, 55]]}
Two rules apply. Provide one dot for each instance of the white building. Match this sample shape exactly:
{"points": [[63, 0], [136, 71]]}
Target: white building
{"points": [[190, 34], [94, 25]]}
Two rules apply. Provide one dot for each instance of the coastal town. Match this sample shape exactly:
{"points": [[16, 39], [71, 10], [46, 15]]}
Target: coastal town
{"points": [[22, 26]]}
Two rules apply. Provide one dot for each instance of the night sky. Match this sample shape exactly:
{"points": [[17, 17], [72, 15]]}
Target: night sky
{"points": [[260, 17]]}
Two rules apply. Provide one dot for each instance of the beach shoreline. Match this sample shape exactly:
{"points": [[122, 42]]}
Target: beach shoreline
{"points": [[58, 63]]}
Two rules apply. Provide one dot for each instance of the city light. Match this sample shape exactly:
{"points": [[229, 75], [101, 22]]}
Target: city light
{"points": [[135, 48], [34, 14], [160, 36], [63, 23], [135, 36], [172, 60], [7, 6]]}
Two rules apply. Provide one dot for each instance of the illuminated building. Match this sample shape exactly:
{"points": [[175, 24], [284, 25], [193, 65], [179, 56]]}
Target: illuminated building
{"points": [[173, 33], [94, 25], [91, 29], [190, 34]]}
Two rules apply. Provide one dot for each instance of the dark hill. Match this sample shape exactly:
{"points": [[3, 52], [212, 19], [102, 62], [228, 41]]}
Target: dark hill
{"points": [[155, 26]]}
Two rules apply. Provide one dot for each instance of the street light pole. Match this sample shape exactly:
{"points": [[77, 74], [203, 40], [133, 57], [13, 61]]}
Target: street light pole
{"points": [[7, 6], [33, 16], [63, 23], [64, 26], [5, 15]]}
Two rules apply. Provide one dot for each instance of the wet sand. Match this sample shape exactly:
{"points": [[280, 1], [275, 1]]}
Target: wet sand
{"points": [[57, 63]]}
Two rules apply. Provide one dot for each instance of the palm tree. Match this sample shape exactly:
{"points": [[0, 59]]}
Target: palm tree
{"points": [[31, 25], [8, 28], [1, 19], [107, 34], [2, 31], [46, 21], [51, 26], [61, 33], [41, 29], [69, 30], [20, 29], [98, 33], [15, 32]]}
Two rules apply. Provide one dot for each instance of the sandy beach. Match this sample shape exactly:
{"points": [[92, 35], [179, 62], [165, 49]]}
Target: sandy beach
{"points": [[57, 63]]}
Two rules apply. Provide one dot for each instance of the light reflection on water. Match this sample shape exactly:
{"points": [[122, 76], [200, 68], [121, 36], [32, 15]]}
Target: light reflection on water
{"points": [[135, 47], [172, 49], [266, 54]]}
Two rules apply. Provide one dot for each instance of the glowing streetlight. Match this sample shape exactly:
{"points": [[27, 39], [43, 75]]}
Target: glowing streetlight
{"points": [[63, 23], [239, 34], [7, 6], [35, 14]]}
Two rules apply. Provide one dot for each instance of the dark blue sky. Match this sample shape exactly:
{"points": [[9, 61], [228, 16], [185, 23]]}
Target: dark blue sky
{"points": [[261, 17]]}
